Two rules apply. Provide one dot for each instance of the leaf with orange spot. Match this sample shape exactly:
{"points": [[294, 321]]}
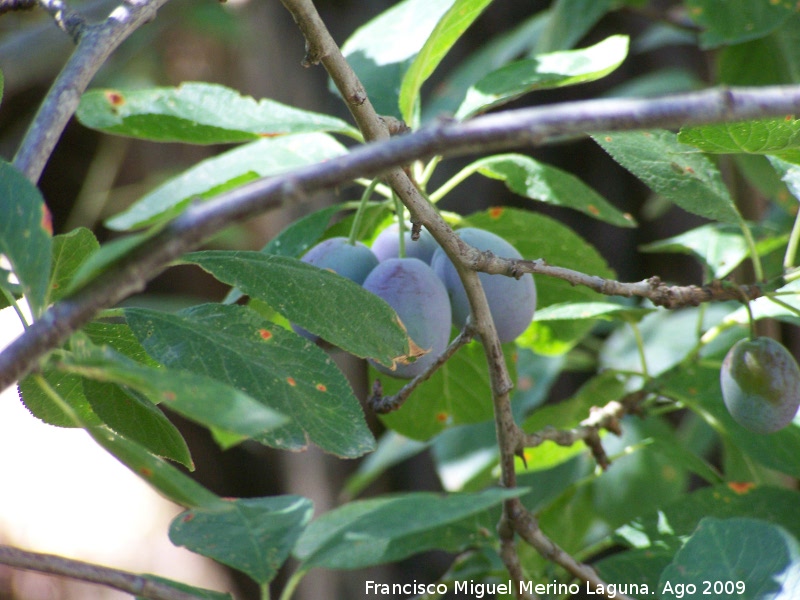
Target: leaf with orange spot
{"points": [[538, 181]]}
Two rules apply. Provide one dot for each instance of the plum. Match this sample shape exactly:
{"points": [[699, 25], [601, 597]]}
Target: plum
{"points": [[512, 302], [760, 383], [337, 254], [387, 244], [419, 298]]}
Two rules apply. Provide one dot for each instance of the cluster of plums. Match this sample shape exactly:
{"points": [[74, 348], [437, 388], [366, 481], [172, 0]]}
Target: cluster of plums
{"points": [[760, 383], [424, 289]]}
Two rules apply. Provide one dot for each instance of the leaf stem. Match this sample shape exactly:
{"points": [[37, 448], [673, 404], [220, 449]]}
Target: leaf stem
{"points": [[399, 210], [362, 207], [454, 181], [292, 583], [758, 270], [15, 305]]}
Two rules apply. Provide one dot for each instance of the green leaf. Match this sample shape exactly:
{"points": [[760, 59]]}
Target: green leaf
{"points": [[446, 33], [37, 399], [329, 305], [163, 477], [538, 236], [577, 311], [120, 338], [235, 345], [70, 250], [545, 71], [298, 237], [638, 567], [768, 136], [675, 171], [735, 21], [193, 395], [736, 558], [458, 393], [198, 113], [262, 158], [25, 236], [721, 248], [538, 181], [382, 530], [138, 420], [381, 51], [253, 535], [698, 387]]}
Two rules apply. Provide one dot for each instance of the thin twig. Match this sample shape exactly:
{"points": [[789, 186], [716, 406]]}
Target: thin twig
{"points": [[95, 44], [12, 5], [137, 585], [385, 404], [70, 21], [606, 417], [528, 529]]}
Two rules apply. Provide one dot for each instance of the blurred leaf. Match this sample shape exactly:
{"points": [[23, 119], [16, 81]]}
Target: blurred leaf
{"points": [[262, 158], [667, 336], [329, 305], [253, 535], [70, 250], [138, 420], [195, 396], [765, 308], [538, 236], [736, 558], [639, 567], [388, 529], [719, 247], [657, 83], [736, 21], [392, 449], [577, 311], [568, 21], [198, 113], [448, 30], [163, 477], [546, 71], [459, 392], [235, 345], [673, 170], [35, 396], [538, 181], [25, 236], [506, 46], [699, 388], [381, 50]]}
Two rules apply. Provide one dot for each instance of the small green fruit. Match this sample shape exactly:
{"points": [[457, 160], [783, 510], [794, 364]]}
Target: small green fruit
{"points": [[760, 383]]}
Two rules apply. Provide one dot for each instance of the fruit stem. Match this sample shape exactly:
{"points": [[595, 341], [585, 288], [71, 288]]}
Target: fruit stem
{"points": [[791, 247], [427, 172], [401, 226], [751, 320], [362, 207], [291, 584], [637, 334]]}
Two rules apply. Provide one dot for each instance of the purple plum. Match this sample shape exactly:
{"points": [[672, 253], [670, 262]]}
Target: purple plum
{"points": [[387, 244]]}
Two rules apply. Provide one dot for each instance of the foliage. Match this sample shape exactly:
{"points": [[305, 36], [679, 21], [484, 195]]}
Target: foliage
{"points": [[689, 497]]}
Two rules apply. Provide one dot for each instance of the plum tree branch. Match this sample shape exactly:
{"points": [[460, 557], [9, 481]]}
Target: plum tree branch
{"points": [[95, 43], [540, 125], [137, 585]]}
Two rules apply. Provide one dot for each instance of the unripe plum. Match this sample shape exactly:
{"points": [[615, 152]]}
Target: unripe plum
{"points": [[419, 298], [387, 244], [512, 302], [337, 254], [760, 383]]}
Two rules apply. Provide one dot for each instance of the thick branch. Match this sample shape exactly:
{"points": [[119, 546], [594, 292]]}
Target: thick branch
{"points": [[95, 45], [124, 581], [490, 132]]}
